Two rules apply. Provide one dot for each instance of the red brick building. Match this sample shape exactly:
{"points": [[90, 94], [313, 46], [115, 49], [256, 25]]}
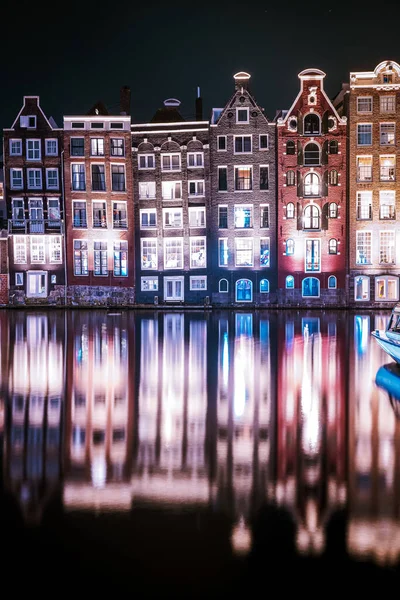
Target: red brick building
{"points": [[311, 167], [99, 207]]}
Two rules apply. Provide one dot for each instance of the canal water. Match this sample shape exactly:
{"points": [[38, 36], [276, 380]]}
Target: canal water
{"points": [[198, 453]]}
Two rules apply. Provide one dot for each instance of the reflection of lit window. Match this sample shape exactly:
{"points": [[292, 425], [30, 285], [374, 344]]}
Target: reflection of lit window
{"points": [[361, 332]]}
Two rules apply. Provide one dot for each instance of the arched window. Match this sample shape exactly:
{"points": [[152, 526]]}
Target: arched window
{"points": [[333, 210], [290, 210], [332, 282], [223, 285], [361, 288], [264, 286], [312, 124], [333, 246], [310, 287], [290, 147], [311, 185], [289, 247], [333, 177], [311, 217], [289, 282], [290, 178], [244, 290], [333, 147], [311, 154]]}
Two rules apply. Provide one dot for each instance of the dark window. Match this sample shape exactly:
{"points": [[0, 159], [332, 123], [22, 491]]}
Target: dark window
{"points": [[290, 178], [117, 178], [243, 144], [77, 125], [263, 178], [242, 115], [80, 214], [77, 146], [333, 210], [223, 217], [333, 246], [333, 177], [243, 178], [221, 142], [263, 142], [264, 216], [311, 124], [222, 179], [333, 147], [117, 147], [119, 215], [290, 147], [99, 214], [98, 178], [311, 154], [290, 210], [97, 125], [116, 125]]}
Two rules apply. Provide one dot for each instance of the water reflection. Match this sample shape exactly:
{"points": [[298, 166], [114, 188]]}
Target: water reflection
{"points": [[233, 413]]}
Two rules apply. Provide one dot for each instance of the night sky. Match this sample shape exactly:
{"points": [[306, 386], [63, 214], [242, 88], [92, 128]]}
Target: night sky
{"points": [[77, 53]]}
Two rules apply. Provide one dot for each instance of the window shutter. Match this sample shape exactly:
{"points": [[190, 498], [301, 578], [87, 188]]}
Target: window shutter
{"points": [[299, 216], [299, 153], [324, 218], [299, 123], [299, 184], [324, 156], [24, 121], [325, 184], [325, 122]]}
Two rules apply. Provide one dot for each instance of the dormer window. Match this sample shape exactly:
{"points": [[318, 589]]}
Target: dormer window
{"points": [[312, 125], [387, 78]]}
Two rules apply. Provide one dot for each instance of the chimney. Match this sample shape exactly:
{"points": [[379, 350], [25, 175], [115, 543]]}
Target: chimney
{"points": [[199, 106], [125, 100]]}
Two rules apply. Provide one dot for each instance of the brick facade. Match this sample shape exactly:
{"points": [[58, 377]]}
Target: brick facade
{"points": [[243, 201], [374, 186], [171, 192], [99, 208], [311, 239]]}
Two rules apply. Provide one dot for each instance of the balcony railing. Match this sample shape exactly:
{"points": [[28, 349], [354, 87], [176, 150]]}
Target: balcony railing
{"points": [[24, 226]]}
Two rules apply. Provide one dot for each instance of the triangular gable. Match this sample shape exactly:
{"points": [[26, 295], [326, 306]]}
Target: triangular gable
{"points": [[39, 107], [227, 106]]}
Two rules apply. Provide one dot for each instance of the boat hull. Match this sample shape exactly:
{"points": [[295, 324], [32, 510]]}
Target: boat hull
{"points": [[390, 346]]}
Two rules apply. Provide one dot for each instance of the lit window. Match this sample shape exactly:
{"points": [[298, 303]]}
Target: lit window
{"points": [[244, 290], [361, 288], [197, 252], [311, 185], [364, 134], [387, 205], [100, 258], [264, 286], [388, 104], [387, 134], [387, 251], [290, 210], [243, 216], [333, 246], [243, 252], [311, 217], [387, 288], [313, 255], [173, 253], [363, 247], [310, 287], [290, 178], [289, 282], [120, 259], [332, 284], [223, 252], [148, 253], [15, 147], [289, 247], [364, 205], [364, 168], [80, 257], [243, 178]]}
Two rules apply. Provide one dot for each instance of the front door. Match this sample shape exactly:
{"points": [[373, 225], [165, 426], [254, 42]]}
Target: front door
{"points": [[173, 289]]}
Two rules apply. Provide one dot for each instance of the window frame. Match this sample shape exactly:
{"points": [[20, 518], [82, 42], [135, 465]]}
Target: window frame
{"points": [[10, 146]]}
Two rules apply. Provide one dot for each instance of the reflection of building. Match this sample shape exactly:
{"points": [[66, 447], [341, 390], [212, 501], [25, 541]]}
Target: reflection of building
{"points": [[172, 409], [374, 451], [311, 424], [245, 401], [34, 421], [99, 416]]}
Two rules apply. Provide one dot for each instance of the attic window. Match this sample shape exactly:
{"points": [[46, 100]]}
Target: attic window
{"points": [[97, 125], [28, 121], [116, 125], [78, 125]]}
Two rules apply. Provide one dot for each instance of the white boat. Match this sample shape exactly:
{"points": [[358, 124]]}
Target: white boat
{"points": [[389, 339]]}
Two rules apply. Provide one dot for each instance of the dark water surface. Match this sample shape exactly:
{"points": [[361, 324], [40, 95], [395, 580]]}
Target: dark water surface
{"points": [[197, 454]]}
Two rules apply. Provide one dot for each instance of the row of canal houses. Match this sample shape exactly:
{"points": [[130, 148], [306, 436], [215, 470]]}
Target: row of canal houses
{"points": [[298, 210]]}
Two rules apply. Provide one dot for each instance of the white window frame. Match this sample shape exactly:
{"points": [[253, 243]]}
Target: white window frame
{"points": [[195, 156], [83, 252], [146, 184], [263, 149], [226, 143], [170, 155], [148, 211], [389, 167], [318, 245], [75, 156], [242, 108], [236, 289], [153, 243], [226, 169], [177, 279], [385, 280], [259, 177], [357, 134], [360, 234], [363, 201], [171, 185], [149, 284], [223, 241], [264, 291], [197, 211], [34, 150], [99, 143], [241, 241], [80, 164], [332, 287], [46, 144], [388, 248], [382, 100], [111, 178], [219, 286], [12, 183], [48, 185], [55, 247], [365, 157], [302, 287], [38, 249], [196, 183], [363, 112], [239, 208], [146, 161], [389, 201], [202, 279], [392, 130], [268, 258], [365, 288], [15, 141], [240, 168], [247, 135], [36, 274], [118, 139], [20, 256], [19, 279], [174, 211], [179, 252], [37, 181], [262, 207], [198, 243]]}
